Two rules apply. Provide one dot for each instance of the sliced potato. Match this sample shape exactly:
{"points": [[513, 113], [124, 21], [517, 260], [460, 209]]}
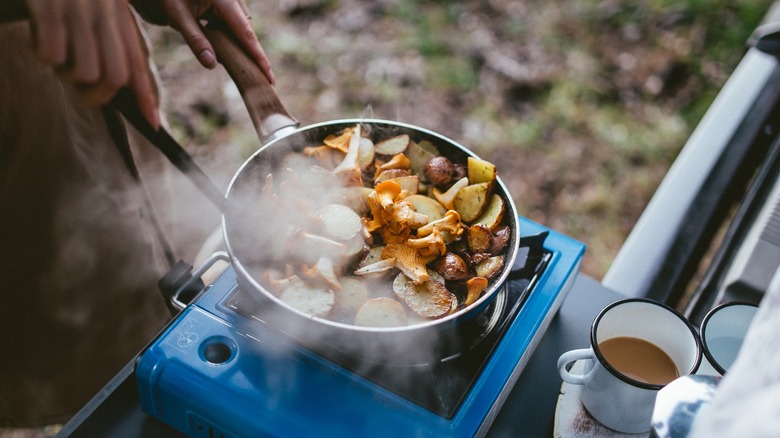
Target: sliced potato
{"points": [[340, 222], [471, 200], [354, 291], [428, 206], [390, 174], [392, 145], [491, 267], [372, 256], [409, 183], [479, 238], [366, 153], [430, 299], [381, 312], [493, 214], [356, 198], [419, 154], [316, 301], [480, 171]]}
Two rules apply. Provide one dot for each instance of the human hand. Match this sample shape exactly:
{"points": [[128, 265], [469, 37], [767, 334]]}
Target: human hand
{"points": [[183, 16], [97, 47]]}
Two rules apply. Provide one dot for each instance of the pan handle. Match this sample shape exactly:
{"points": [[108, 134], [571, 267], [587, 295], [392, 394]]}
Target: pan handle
{"points": [[267, 112]]}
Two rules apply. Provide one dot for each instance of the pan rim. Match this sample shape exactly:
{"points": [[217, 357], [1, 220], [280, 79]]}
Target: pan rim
{"points": [[483, 301]]}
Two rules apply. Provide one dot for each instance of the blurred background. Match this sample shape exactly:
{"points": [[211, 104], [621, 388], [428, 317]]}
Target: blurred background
{"points": [[583, 105]]}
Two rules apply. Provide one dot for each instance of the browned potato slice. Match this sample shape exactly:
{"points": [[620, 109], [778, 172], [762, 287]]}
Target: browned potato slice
{"points": [[393, 145], [479, 238], [480, 171], [471, 200], [430, 299], [316, 301], [490, 267], [427, 206], [501, 237], [390, 174], [353, 293], [493, 214], [381, 312]]}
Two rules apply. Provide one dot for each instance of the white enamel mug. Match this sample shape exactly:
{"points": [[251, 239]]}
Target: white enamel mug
{"points": [[611, 397], [722, 332]]}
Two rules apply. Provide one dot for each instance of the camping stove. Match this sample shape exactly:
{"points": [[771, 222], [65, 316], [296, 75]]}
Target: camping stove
{"points": [[219, 370]]}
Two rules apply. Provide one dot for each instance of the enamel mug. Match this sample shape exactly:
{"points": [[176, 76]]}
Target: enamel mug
{"points": [[615, 399]]}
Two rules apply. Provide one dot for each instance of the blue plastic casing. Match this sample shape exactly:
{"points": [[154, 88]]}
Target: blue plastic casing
{"points": [[207, 375]]}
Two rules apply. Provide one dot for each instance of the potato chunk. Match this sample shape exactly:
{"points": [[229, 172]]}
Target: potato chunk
{"points": [[471, 200], [493, 214], [480, 171]]}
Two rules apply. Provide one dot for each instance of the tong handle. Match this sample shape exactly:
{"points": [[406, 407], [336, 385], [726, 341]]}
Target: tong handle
{"points": [[267, 112]]}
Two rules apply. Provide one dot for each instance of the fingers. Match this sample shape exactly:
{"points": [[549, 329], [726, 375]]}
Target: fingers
{"points": [[49, 31], [184, 20], [85, 65], [184, 15], [112, 52], [236, 16], [97, 47]]}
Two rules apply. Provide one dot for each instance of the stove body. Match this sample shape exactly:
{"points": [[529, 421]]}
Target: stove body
{"points": [[219, 370]]}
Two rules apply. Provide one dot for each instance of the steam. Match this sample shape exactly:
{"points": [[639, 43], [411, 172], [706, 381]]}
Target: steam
{"points": [[278, 227]]}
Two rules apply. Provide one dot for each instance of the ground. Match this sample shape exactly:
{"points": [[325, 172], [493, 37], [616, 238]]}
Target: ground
{"points": [[583, 105]]}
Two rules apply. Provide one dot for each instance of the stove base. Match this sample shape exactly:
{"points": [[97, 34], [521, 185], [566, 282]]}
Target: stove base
{"points": [[211, 373]]}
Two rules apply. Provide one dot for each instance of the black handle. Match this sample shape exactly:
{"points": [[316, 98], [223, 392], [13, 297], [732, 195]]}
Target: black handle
{"points": [[125, 102]]}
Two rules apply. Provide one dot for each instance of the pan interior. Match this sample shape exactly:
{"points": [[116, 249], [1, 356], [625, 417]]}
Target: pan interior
{"points": [[252, 230]]}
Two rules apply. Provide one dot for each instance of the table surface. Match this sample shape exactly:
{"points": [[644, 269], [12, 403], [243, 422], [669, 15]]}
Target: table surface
{"points": [[528, 411]]}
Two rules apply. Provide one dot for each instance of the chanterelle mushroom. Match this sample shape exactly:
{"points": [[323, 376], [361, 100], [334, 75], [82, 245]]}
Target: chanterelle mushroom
{"points": [[383, 195], [386, 192], [475, 287], [431, 245], [399, 161], [322, 271], [448, 198], [409, 260], [400, 215], [342, 141], [450, 223], [349, 169]]}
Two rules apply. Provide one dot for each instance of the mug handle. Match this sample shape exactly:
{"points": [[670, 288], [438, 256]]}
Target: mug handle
{"points": [[573, 356]]}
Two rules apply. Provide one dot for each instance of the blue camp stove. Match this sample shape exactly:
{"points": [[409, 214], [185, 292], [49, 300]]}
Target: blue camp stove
{"points": [[219, 370]]}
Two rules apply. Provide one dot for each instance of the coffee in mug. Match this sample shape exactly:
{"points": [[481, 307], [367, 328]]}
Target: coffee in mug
{"points": [[637, 346], [639, 360]]}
